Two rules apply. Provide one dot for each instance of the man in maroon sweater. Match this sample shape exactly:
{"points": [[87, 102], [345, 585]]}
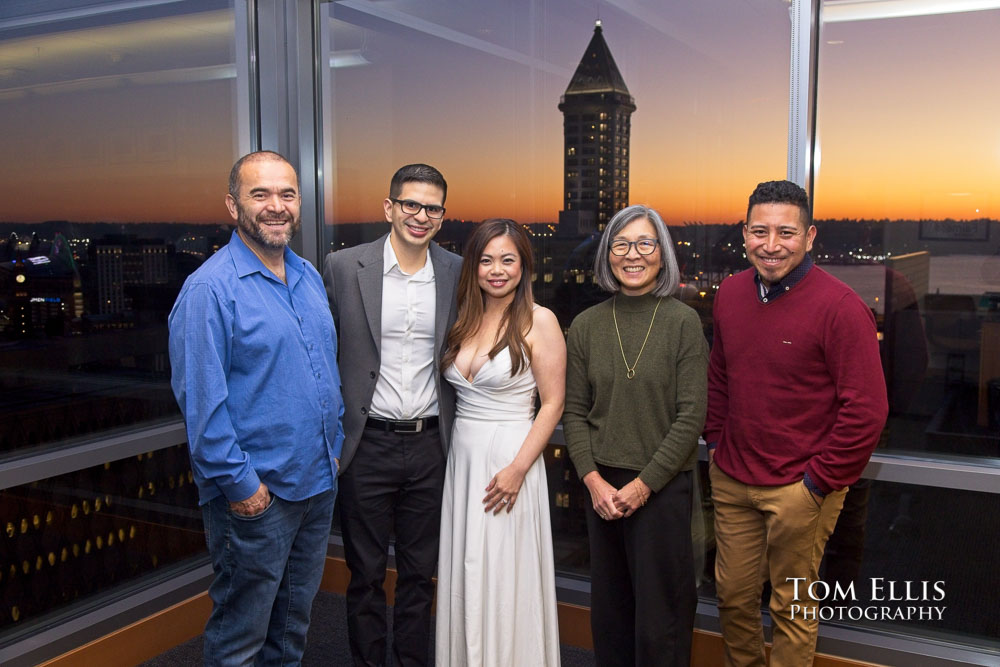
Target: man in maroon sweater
{"points": [[796, 402]]}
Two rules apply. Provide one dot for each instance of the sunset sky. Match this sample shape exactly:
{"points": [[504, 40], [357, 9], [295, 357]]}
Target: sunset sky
{"points": [[137, 121]]}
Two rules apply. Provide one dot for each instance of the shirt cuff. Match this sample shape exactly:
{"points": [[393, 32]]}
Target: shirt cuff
{"points": [[712, 445], [244, 488]]}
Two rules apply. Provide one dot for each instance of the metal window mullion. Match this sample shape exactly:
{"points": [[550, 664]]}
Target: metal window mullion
{"points": [[972, 476], [326, 152], [56, 460], [805, 16], [307, 63], [982, 475], [246, 135], [287, 64]]}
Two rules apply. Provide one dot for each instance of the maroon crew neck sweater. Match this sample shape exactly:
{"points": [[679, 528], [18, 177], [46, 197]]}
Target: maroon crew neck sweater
{"points": [[795, 385]]}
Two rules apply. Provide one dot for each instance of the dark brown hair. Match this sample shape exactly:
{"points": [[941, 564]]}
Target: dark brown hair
{"points": [[419, 173], [517, 318]]}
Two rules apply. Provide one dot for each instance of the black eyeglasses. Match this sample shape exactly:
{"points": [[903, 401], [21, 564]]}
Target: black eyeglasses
{"points": [[411, 207], [642, 246]]}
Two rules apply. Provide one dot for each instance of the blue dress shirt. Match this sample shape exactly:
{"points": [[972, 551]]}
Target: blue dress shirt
{"points": [[255, 374]]}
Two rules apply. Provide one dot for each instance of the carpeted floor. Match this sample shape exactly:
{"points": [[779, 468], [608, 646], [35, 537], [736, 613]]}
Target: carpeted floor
{"points": [[327, 641]]}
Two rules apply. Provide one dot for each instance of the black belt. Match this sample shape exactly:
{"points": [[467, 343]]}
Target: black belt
{"points": [[402, 425]]}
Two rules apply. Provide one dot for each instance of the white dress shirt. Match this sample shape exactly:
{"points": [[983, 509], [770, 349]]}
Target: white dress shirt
{"points": [[405, 387]]}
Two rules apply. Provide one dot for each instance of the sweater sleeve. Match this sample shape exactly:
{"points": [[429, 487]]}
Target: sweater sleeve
{"points": [[852, 358], [579, 399], [718, 382], [677, 447]]}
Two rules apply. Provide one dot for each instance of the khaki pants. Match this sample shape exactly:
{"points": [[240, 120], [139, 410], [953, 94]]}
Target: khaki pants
{"points": [[769, 533]]}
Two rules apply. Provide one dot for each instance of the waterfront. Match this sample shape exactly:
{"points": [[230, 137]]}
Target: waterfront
{"points": [[949, 274]]}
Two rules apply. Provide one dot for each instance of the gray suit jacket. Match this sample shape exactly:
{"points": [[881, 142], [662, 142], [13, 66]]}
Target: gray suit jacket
{"points": [[353, 279]]}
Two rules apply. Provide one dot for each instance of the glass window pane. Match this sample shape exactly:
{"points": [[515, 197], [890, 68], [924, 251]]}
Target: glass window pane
{"points": [[476, 91], [906, 202], [899, 561], [68, 539], [120, 129], [909, 562]]}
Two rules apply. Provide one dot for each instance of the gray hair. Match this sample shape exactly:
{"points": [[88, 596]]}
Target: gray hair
{"points": [[669, 277]]}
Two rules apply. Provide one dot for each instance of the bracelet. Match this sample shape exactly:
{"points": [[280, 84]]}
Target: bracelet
{"points": [[642, 496]]}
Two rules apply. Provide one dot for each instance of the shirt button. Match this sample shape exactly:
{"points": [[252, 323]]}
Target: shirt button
{"points": [[787, 288], [318, 375], [764, 299]]}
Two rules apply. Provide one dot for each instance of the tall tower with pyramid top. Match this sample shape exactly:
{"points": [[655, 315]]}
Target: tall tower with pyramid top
{"points": [[597, 110]]}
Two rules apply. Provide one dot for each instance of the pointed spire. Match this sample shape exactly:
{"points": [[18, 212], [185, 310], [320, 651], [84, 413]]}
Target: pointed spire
{"points": [[597, 71]]}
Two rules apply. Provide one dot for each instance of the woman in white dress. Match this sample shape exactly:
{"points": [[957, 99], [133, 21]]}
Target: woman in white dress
{"points": [[496, 598]]}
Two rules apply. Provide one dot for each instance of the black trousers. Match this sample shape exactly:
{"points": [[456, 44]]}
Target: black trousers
{"points": [[392, 485], [642, 588]]}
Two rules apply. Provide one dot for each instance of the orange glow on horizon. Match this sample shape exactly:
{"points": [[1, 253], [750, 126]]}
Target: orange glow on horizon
{"points": [[907, 126]]}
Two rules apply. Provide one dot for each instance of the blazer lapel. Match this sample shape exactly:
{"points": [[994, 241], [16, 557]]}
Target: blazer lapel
{"points": [[444, 284], [370, 284]]}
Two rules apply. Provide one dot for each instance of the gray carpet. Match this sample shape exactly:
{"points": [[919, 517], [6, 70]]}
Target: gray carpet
{"points": [[327, 643]]}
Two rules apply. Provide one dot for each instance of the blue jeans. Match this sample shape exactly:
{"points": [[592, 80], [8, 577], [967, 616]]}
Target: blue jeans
{"points": [[267, 571]]}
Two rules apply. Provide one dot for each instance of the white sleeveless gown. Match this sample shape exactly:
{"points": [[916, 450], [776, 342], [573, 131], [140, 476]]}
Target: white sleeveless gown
{"points": [[496, 597]]}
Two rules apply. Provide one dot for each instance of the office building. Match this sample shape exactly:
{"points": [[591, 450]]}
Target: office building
{"points": [[597, 110]]}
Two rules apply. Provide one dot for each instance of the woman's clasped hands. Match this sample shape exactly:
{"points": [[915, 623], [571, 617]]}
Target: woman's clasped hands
{"points": [[611, 503]]}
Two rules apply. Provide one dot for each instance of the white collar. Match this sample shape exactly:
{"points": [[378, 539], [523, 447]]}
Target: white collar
{"points": [[390, 261]]}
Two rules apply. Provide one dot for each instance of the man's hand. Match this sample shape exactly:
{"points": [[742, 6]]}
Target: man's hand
{"points": [[253, 505]]}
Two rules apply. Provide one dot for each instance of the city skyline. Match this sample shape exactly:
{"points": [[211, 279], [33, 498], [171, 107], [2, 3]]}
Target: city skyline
{"points": [[711, 119]]}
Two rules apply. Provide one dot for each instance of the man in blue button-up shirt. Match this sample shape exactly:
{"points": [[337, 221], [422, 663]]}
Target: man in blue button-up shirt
{"points": [[253, 353]]}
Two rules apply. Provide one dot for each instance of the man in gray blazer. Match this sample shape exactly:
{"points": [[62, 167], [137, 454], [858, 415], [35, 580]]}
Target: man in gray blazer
{"points": [[393, 309]]}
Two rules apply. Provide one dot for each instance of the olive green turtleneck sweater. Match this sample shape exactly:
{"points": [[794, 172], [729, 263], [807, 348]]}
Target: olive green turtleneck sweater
{"points": [[650, 423]]}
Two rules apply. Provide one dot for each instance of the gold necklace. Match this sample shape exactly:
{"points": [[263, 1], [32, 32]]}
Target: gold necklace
{"points": [[630, 370]]}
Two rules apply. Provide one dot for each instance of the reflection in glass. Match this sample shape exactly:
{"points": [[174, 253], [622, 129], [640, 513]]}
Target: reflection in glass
{"points": [[69, 538], [898, 560], [906, 211], [903, 559], [118, 129], [492, 78]]}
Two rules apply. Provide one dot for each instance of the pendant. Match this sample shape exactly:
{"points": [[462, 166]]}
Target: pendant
{"points": [[630, 373]]}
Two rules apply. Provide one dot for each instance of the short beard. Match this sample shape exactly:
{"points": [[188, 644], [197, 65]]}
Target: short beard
{"points": [[253, 229]]}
